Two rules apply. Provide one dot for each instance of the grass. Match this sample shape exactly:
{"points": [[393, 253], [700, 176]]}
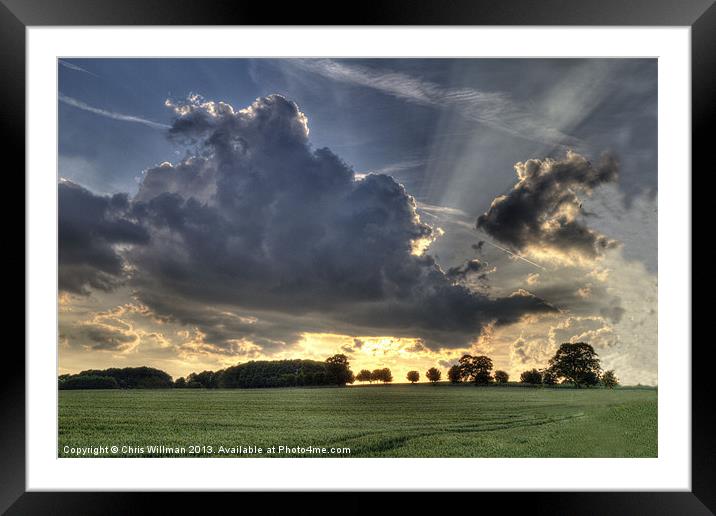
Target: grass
{"points": [[377, 421]]}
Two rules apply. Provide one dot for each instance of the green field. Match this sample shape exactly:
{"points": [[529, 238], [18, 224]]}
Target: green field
{"points": [[375, 421]]}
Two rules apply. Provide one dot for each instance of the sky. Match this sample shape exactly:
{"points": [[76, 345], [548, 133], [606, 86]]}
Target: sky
{"points": [[403, 212]]}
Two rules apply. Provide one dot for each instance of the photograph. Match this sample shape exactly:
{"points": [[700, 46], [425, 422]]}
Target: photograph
{"points": [[343, 257]]}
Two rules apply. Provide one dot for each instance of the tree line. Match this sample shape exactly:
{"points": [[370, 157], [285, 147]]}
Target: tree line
{"points": [[377, 375], [115, 378], [573, 363], [335, 370]]}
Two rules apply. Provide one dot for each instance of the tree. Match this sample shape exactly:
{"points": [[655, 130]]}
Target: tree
{"points": [[454, 374], [576, 362], [609, 379], [376, 375], [382, 375], [207, 379], [339, 359], [413, 376], [180, 383], [548, 377], [338, 371], [501, 377], [433, 374], [476, 369], [88, 381], [285, 373], [364, 376], [533, 376], [467, 369], [133, 377], [591, 379], [385, 375], [484, 368]]}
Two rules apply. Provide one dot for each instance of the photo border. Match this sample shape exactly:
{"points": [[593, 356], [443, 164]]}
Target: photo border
{"points": [[700, 15]]}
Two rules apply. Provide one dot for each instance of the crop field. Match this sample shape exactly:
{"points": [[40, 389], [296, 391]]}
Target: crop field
{"points": [[373, 421]]}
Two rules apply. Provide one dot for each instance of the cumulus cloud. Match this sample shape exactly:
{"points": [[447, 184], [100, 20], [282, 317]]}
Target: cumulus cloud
{"points": [[532, 278], [609, 303], [101, 337], [542, 214], [470, 267], [257, 235], [593, 329], [91, 228], [104, 331], [519, 351], [221, 329], [479, 246]]}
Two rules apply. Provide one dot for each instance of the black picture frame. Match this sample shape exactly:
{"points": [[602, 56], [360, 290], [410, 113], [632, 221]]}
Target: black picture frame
{"points": [[700, 15]]}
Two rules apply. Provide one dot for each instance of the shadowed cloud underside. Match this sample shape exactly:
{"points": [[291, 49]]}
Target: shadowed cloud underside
{"points": [[436, 207], [256, 221]]}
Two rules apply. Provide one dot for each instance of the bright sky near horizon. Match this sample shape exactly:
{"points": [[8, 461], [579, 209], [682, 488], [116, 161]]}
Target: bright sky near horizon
{"points": [[400, 211]]}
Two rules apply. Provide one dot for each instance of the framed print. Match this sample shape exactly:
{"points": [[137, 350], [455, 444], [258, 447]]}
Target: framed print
{"points": [[436, 248]]}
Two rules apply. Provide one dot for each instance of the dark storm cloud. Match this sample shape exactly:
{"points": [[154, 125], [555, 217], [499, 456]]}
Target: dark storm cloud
{"points": [[89, 229], [257, 221], [470, 267], [352, 348], [542, 211], [98, 336], [418, 347], [222, 327]]}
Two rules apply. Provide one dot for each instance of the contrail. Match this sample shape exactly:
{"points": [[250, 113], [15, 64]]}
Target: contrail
{"points": [[516, 255], [110, 114], [76, 68]]}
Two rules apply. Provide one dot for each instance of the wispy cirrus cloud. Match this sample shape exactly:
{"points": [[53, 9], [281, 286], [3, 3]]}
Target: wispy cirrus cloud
{"points": [[494, 109], [76, 68], [110, 114]]}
